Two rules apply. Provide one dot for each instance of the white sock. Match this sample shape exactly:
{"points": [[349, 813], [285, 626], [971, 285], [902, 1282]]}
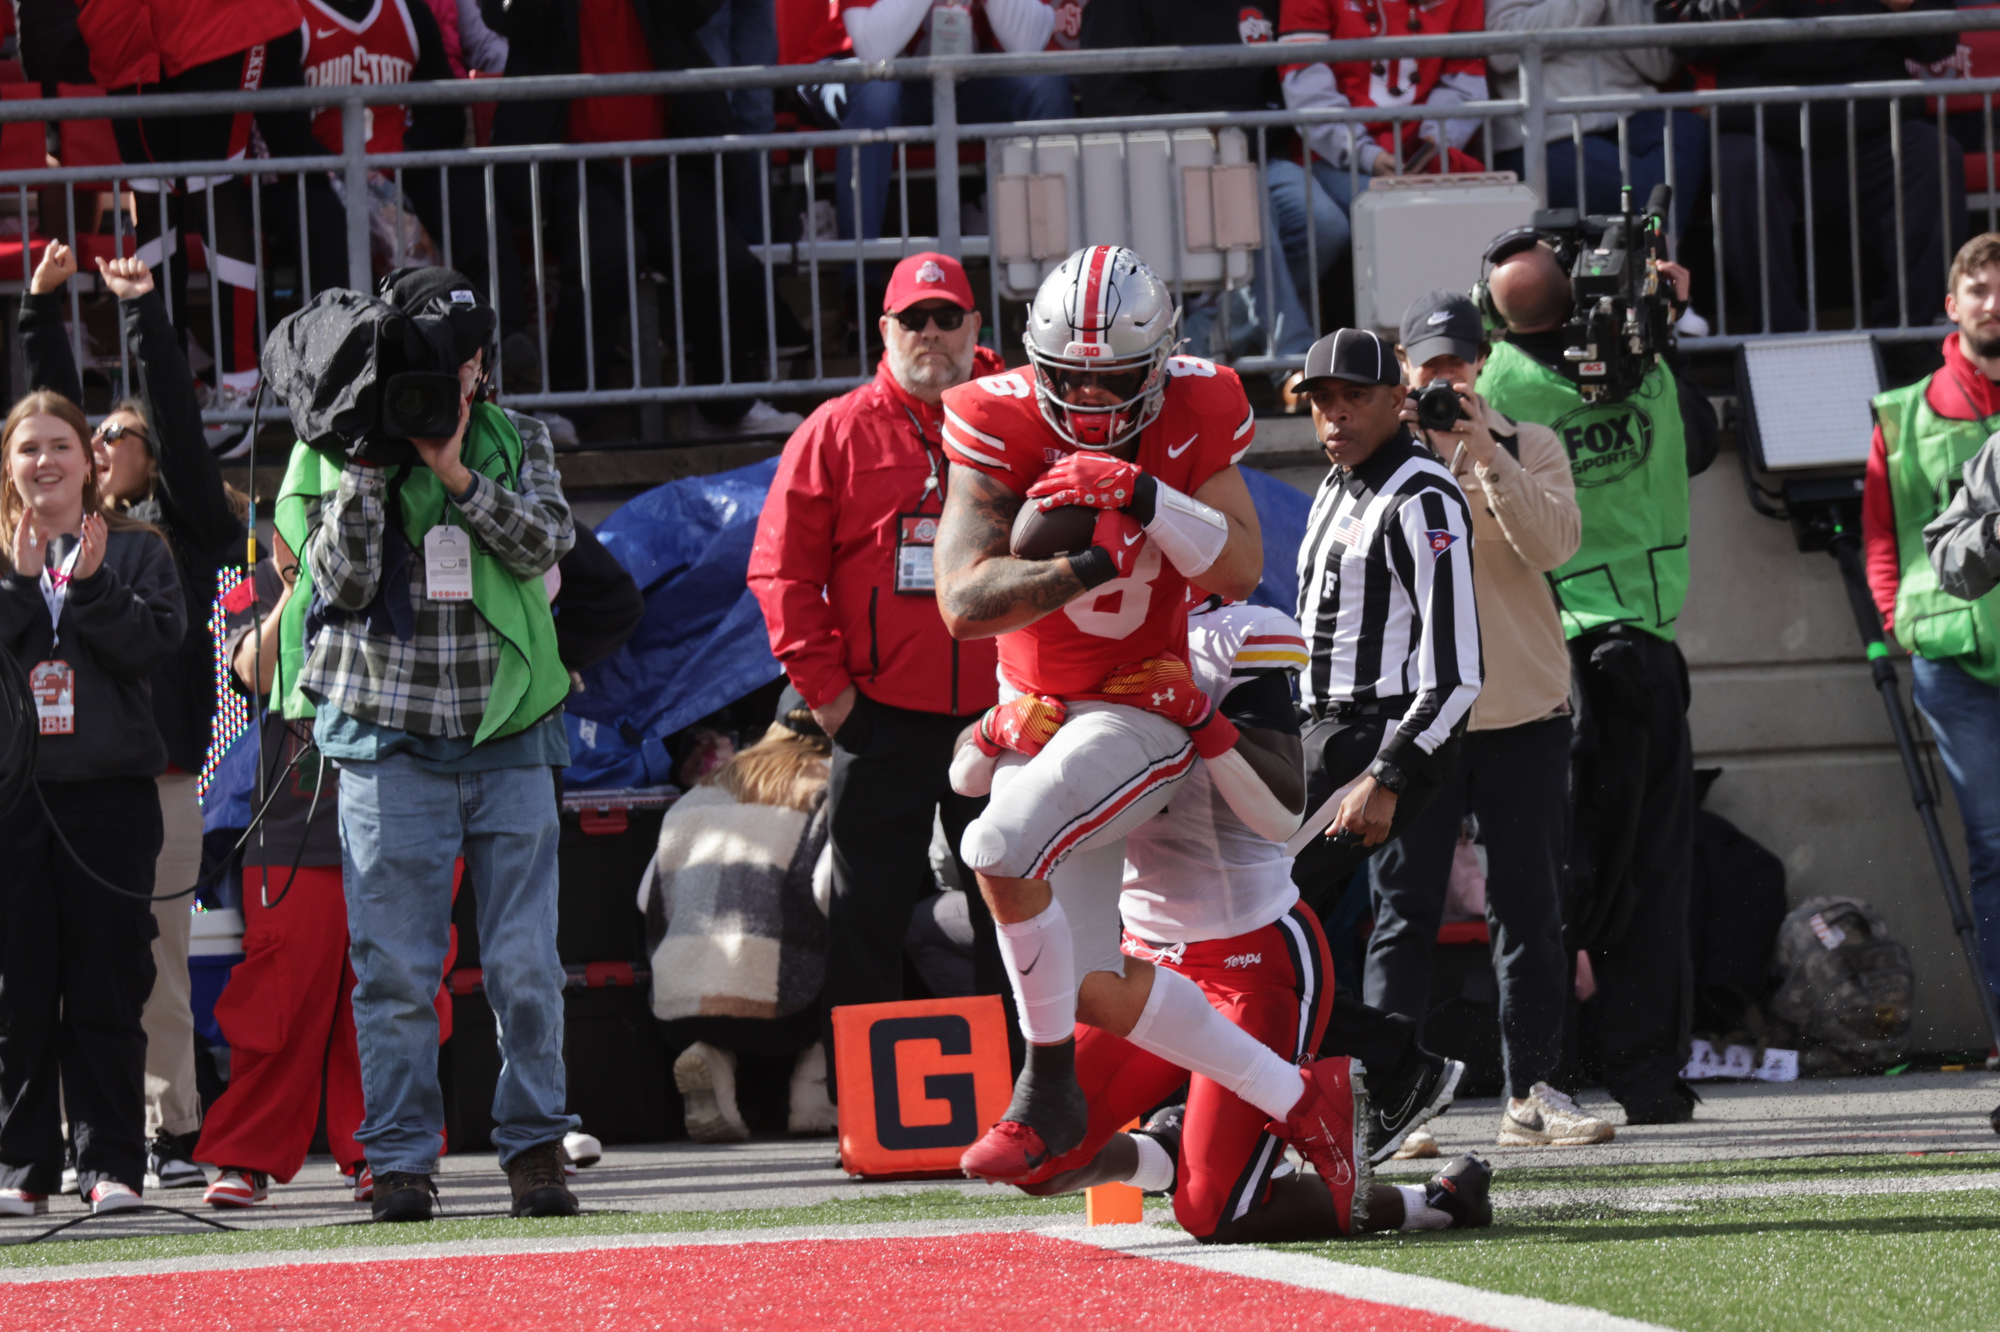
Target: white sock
{"points": [[1418, 1214], [1156, 1169], [1045, 995], [1180, 1027]]}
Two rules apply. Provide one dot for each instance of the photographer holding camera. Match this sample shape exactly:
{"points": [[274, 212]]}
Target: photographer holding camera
{"points": [[1619, 595], [1513, 775], [428, 658]]}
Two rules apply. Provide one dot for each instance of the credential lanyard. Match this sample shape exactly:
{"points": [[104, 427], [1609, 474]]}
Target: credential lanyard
{"points": [[55, 591]]}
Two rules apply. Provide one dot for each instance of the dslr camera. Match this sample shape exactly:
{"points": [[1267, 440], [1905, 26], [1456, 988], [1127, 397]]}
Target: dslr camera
{"points": [[1621, 318], [362, 378], [1438, 405]]}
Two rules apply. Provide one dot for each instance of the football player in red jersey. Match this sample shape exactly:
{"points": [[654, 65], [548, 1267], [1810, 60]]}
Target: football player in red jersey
{"points": [[1099, 715]]}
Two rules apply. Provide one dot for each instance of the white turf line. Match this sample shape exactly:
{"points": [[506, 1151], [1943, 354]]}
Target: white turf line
{"points": [[1511, 1313], [1488, 1309]]}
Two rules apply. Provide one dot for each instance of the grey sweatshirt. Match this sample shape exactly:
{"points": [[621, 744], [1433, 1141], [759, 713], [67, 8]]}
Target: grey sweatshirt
{"points": [[1963, 543], [1574, 73], [118, 626]]}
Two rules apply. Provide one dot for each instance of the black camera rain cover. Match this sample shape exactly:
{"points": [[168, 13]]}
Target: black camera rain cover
{"points": [[322, 362]]}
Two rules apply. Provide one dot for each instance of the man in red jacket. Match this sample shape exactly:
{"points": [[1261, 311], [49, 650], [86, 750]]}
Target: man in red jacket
{"points": [[842, 568]]}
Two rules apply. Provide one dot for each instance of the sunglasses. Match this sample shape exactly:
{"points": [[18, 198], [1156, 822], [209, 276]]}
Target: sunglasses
{"points": [[117, 430], [946, 317]]}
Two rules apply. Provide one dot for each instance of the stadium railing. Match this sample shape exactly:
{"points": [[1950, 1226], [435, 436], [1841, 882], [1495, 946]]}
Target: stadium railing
{"points": [[834, 270]]}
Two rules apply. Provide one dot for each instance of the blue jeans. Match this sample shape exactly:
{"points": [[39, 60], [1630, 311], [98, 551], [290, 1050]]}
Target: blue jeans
{"points": [[744, 32], [1965, 715], [1330, 202], [886, 105], [1646, 144], [401, 827]]}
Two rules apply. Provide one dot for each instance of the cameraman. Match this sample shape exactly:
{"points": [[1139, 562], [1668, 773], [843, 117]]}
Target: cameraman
{"points": [[1619, 595], [431, 661], [1513, 775]]}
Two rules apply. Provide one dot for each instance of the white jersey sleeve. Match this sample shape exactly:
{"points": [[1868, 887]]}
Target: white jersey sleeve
{"points": [[1195, 871]]}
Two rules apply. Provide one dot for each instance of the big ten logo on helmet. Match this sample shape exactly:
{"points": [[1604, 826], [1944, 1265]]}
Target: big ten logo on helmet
{"points": [[1606, 441], [1084, 351], [1253, 26]]}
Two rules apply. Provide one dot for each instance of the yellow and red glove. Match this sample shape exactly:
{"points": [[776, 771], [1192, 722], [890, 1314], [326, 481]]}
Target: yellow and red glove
{"points": [[1165, 687], [1094, 480], [1022, 724]]}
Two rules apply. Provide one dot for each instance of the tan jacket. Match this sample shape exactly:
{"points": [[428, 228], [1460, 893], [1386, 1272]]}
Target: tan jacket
{"points": [[1524, 523]]}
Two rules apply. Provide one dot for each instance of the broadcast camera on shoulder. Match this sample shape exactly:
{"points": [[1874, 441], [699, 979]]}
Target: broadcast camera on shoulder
{"points": [[1622, 318], [363, 378]]}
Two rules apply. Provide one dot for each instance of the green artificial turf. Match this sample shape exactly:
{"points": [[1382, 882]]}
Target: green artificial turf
{"points": [[1838, 1259]]}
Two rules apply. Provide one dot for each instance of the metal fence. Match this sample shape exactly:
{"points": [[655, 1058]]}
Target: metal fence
{"points": [[665, 255]]}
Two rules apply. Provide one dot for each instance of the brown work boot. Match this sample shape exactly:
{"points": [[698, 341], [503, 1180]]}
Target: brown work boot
{"points": [[536, 1177]]}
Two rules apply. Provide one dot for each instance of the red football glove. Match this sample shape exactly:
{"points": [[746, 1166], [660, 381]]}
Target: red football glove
{"points": [[1023, 725], [1121, 537], [1165, 687], [1094, 480]]}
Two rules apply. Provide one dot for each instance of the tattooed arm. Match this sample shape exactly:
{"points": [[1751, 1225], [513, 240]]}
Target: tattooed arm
{"points": [[983, 591]]}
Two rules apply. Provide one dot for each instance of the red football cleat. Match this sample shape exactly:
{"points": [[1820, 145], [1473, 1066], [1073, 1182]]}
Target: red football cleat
{"points": [[1009, 1153], [1329, 1126]]}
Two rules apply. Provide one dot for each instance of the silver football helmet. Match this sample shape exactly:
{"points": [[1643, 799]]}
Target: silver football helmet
{"points": [[1105, 320]]}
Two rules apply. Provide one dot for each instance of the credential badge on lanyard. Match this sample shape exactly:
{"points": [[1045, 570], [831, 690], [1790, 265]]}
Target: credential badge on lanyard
{"points": [[916, 533], [52, 682]]}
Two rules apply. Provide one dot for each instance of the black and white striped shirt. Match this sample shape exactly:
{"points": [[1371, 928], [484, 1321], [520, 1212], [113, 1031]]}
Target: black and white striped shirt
{"points": [[1385, 593]]}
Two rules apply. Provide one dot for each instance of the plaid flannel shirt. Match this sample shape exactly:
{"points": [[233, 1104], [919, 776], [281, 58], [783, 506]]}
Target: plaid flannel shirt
{"points": [[437, 683]]}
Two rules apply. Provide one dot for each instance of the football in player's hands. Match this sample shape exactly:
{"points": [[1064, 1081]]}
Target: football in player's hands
{"points": [[1047, 534]]}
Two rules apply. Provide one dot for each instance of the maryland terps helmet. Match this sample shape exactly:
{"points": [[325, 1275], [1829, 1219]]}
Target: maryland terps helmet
{"points": [[1103, 317]]}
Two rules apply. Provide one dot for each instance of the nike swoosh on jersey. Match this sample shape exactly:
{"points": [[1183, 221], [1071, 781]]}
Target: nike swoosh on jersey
{"points": [[1137, 537], [330, 32], [1173, 452]]}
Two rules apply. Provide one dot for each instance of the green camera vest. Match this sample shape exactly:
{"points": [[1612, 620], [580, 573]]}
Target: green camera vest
{"points": [[529, 680], [1926, 456], [1629, 459]]}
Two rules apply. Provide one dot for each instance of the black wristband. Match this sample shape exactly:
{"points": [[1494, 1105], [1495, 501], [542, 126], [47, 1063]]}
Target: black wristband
{"points": [[1388, 776], [1145, 493], [1093, 567]]}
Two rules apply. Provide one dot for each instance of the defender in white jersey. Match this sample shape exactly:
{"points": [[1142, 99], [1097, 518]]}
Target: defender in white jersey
{"points": [[1210, 898]]}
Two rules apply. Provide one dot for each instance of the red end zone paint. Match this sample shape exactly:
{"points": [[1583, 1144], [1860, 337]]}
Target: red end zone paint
{"points": [[1003, 1281]]}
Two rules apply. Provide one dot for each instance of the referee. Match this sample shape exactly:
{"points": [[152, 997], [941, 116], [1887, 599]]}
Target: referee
{"points": [[1386, 603]]}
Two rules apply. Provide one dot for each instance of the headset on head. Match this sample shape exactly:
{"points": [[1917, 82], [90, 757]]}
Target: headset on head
{"points": [[1504, 247]]}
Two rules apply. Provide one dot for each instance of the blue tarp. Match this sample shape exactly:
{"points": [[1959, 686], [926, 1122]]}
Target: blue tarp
{"points": [[1281, 512], [702, 644]]}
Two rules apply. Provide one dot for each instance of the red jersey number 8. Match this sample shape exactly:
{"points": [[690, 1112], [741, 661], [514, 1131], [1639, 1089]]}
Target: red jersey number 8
{"points": [[1181, 366], [1136, 599], [1011, 385]]}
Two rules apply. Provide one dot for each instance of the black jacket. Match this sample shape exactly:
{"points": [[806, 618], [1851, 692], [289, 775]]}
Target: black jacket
{"points": [[201, 528], [120, 626], [52, 48], [598, 605], [1783, 64], [542, 39], [1115, 23]]}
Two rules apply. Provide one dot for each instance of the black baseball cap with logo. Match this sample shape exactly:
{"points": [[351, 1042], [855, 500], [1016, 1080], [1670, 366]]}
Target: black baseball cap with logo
{"points": [[1353, 354], [1443, 323]]}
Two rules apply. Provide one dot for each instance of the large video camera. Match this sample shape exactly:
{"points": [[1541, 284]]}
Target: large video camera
{"points": [[1622, 317], [362, 378]]}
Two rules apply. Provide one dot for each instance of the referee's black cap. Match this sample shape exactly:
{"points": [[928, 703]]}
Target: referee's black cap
{"points": [[1354, 354]]}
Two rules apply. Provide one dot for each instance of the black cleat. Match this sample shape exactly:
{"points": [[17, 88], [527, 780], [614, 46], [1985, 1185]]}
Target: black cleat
{"points": [[1409, 1103], [402, 1195], [1165, 1129], [1460, 1192]]}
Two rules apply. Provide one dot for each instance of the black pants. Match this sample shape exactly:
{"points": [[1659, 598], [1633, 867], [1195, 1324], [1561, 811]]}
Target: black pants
{"points": [[1632, 857], [1336, 753], [76, 965], [1925, 243], [704, 253], [1516, 783], [890, 777], [463, 192]]}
